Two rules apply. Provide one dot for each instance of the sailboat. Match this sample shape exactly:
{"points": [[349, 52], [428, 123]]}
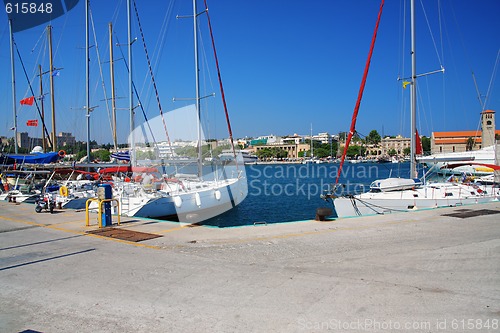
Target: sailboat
{"points": [[394, 195], [169, 193]]}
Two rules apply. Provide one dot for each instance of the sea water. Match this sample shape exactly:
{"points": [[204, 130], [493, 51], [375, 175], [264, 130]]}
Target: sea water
{"points": [[280, 193]]}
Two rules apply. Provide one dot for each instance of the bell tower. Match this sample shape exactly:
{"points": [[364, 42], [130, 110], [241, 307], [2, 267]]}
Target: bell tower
{"points": [[488, 128]]}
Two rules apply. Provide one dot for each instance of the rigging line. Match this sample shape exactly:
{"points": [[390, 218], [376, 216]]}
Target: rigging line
{"points": [[430, 32], [157, 51], [492, 80], [38, 41], [135, 90], [360, 93], [440, 28], [152, 77], [32, 92], [220, 83], [106, 101]]}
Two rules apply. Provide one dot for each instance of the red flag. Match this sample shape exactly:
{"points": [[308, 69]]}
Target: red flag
{"points": [[33, 122], [418, 149], [28, 100]]}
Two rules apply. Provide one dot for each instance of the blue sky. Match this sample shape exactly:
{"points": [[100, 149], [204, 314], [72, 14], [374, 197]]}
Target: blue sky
{"points": [[285, 65]]}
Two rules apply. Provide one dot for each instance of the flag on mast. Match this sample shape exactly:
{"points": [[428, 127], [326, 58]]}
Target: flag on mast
{"points": [[28, 100]]}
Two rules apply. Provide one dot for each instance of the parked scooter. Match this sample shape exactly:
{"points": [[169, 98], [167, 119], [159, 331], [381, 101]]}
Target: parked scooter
{"points": [[46, 202]]}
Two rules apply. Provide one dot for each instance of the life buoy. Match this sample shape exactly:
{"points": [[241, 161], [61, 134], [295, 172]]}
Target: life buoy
{"points": [[61, 153], [63, 190]]}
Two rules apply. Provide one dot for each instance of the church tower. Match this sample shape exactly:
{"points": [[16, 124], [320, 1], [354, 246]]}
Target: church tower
{"points": [[488, 128]]}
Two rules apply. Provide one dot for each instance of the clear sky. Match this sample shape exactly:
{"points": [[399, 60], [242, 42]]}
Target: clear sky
{"points": [[285, 65]]}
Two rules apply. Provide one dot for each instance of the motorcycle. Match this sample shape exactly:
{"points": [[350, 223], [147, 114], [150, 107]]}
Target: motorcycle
{"points": [[45, 202]]}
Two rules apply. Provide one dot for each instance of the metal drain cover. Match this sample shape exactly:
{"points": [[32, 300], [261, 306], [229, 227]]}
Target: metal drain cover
{"points": [[466, 213], [123, 234]]}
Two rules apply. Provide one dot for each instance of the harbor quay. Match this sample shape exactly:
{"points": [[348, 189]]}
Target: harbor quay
{"points": [[426, 271]]}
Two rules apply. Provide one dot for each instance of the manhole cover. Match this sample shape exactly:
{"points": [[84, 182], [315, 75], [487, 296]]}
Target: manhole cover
{"points": [[472, 213], [123, 234]]}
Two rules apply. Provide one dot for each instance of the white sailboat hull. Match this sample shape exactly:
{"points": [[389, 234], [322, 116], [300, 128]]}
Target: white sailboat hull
{"points": [[189, 204], [426, 197]]}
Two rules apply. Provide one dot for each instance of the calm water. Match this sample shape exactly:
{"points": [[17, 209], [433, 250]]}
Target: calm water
{"points": [[291, 192]]}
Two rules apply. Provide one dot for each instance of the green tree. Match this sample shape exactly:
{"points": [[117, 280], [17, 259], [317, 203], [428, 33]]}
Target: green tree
{"points": [[353, 150], [426, 145], [373, 137], [102, 155], [273, 152], [407, 151], [322, 152], [392, 152]]}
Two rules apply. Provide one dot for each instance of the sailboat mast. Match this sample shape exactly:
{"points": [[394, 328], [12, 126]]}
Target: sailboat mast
{"points": [[87, 77], [197, 75], [13, 73], [130, 91], [51, 71], [413, 95], [112, 71], [44, 143]]}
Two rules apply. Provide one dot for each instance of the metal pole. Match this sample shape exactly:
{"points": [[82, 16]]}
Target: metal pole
{"points": [[197, 75], [130, 80], [51, 71], [413, 95], [87, 77], [112, 71], [44, 144], [13, 73]]}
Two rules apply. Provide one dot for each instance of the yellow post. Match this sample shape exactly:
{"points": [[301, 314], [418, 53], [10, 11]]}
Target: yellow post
{"points": [[87, 222], [100, 210]]}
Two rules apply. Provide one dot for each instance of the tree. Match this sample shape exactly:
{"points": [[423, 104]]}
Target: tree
{"points": [[470, 144], [407, 151], [426, 145], [373, 137], [353, 151], [274, 152], [392, 152], [102, 155]]}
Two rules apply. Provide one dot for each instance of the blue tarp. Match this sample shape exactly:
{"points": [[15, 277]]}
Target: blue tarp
{"points": [[36, 158]]}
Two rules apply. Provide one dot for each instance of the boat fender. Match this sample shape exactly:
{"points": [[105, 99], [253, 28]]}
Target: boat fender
{"points": [[61, 153], [197, 199], [218, 195], [178, 201], [63, 190]]}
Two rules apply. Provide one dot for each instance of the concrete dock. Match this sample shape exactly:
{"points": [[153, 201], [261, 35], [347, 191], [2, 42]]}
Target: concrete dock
{"points": [[425, 271]]}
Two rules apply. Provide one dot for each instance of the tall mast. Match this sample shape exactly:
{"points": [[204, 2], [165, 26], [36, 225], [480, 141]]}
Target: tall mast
{"points": [[53, 106], [413, 95], [112, 71], [13, 73], [130, 91], [87, 77], [196, 61], [44, 144]]}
